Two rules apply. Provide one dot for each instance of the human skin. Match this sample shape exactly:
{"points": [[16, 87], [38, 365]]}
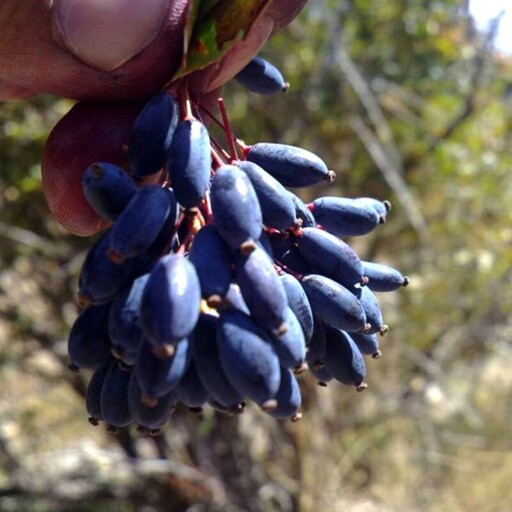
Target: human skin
{"points": [[110, 55]]}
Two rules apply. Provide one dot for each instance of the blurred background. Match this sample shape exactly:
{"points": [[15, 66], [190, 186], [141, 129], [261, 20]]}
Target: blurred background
{"points": [[407, 101]]}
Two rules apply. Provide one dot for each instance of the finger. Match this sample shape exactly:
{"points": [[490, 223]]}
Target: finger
{"points": [[9, 91], [90, 132], [107, 33], [90, 49]]}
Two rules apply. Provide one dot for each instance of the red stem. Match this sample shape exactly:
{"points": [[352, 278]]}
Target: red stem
{"points": [[208, 207], [216, 160], [184, 101], [243, 146], [288, 270], [188, 110], [223, 153], [227, 129], [185, 243], [211, 116]]}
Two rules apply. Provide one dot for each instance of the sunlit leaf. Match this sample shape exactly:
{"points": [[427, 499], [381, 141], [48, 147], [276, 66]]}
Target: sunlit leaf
{"points": [[192, 15], [220, 25]]}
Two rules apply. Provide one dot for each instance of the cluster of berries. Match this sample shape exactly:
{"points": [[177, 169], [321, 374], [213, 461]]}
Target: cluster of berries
{"points": [[216, 284]]}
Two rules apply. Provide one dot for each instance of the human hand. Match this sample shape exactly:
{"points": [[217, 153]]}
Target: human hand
{"points": [[110, 54]]}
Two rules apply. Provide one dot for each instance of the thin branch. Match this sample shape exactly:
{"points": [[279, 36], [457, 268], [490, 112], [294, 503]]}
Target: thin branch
{"points": [[380, 145], [400, 102], [428, 365], [343, 61], [30, 239], [392, 176]]}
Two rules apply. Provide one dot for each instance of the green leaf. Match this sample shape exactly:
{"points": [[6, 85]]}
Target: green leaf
{"points": [[192, 15], [219, 25]]}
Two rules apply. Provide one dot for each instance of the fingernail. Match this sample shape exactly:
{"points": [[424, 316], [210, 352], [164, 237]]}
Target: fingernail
{"points": [[107, 33]]}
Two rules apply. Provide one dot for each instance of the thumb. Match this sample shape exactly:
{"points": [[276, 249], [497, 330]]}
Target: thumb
{"points": [[90, 132], [107, 33]]}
